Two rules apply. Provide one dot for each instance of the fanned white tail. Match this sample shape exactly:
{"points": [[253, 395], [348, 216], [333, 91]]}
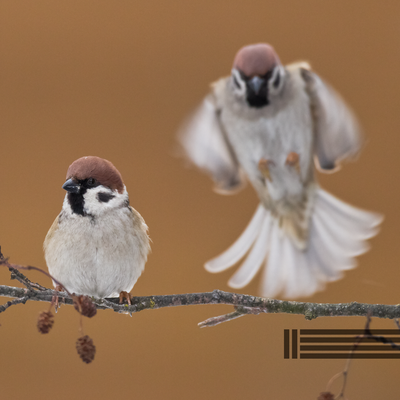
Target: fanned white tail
{"points": [[338, 233]]}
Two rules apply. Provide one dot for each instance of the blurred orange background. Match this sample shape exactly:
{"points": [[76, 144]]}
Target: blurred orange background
{"points": [[115, 79]]}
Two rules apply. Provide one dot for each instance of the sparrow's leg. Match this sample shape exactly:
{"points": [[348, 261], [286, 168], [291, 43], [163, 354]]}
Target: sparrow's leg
{"points": [[293, 160], [54, 300], [125, 295], [263, 166]]}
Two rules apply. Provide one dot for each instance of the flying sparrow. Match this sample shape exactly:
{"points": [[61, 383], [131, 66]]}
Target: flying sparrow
{"points": [[98, 244], [266, 122]]}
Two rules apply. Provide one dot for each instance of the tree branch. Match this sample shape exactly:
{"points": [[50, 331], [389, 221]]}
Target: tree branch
{"points": [[220, 319], [22, 300], [244, 304]]}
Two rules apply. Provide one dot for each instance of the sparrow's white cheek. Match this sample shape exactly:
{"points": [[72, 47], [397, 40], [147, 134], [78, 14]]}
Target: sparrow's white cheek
{"points": [[237, 84], [100, 199], [276, 82], [66, 206]]}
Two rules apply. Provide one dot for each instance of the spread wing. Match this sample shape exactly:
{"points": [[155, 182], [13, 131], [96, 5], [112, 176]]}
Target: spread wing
{"points": [[206, 145], [337, 133]]}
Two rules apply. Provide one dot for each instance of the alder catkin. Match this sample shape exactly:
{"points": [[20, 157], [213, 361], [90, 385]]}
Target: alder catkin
{"points": [[45, 321], [86, 349], [85, 306]]}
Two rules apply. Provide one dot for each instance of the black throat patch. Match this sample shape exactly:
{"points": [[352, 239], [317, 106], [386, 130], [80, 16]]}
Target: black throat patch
{"points": [[76, 201], [257, 100]]}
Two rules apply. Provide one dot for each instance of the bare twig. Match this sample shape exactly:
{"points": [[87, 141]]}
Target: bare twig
{"points": [[22, 300], [381, 339], [367, 334], [239, 312], [256, 304], [15, 274], [244, 304], [221, 318], [346, 369]]}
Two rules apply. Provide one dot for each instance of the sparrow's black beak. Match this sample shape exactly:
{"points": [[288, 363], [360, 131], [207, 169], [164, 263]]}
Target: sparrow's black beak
{"points": [[257, 92], [256, 83], [71, 186]]}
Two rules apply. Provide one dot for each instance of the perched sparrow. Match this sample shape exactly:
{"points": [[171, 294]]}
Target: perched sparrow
{"points": [[266, 122], [98, 244]]}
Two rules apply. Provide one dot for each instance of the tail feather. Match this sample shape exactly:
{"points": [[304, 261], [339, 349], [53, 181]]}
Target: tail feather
{"points": [[337, 233], [288, 270], [307, 276], [325, 269], [242, 245], [275, 273], [293, 268], [341, 239], [360, 222], [330, 255], [254, 260]]}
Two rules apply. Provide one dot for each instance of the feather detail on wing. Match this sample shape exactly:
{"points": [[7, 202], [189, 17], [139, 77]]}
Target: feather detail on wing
{"points": [[205, 144], [337, 133], [51, 232], [337, 234]]}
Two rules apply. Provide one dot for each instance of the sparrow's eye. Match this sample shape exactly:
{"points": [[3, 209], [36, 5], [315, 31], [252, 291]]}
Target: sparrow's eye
{"points": [[91, 182], [244, 76]]}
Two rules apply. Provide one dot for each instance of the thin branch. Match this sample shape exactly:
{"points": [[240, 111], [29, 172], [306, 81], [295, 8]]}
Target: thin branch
{"points": [[367, 334], [255, 304], [15, 274], [20, 277], [244, 304], [220, 319], [239, 312], [22, 300]]}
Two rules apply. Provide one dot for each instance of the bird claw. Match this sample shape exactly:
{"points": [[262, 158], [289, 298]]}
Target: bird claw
{"points": [[293, 160], [125, 295], [55, 299], [263, 166]]}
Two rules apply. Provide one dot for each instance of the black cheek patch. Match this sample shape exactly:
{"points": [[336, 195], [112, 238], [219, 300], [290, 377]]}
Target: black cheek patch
{"points": [[104, 197]]}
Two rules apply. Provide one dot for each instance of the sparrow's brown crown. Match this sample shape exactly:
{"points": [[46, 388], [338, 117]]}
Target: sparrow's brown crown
{"points": [[256, 59], [97, 168]]}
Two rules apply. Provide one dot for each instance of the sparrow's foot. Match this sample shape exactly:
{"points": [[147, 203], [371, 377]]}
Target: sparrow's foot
{"points": [[293, 160], [55, 299], [125, 295], [264, 167]]}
